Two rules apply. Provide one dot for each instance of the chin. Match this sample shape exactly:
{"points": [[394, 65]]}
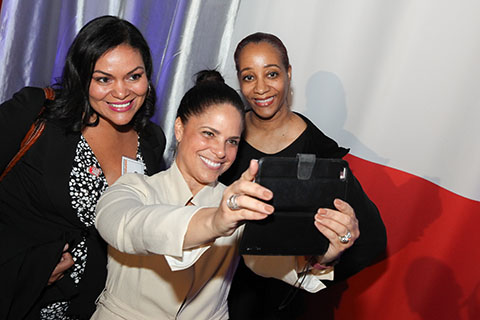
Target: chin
{"points": [[215, 178], [207, 179], [264, 115]]}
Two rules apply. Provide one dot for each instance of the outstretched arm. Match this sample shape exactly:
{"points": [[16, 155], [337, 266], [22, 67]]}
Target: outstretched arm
{"points": [[210, 223]]}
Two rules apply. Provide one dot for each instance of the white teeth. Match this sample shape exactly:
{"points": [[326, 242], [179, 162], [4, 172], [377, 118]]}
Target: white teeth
{"points": [[264, 101], [210, 162], [116, 105]]}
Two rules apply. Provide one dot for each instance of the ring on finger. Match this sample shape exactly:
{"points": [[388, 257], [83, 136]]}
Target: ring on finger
{"points": [[232, 202], [345, 238]]}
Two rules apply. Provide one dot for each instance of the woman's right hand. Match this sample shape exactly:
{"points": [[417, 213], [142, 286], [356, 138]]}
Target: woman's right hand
{"points": [[66, 261], [210, 223], [249, 196]]}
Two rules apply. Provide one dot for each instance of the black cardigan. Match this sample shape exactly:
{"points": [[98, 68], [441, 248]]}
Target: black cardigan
{"points": [[246, 297], [36, 217]]}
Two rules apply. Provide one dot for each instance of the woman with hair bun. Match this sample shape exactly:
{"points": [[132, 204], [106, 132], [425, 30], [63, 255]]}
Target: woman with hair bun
{"points": [[173, 236]]}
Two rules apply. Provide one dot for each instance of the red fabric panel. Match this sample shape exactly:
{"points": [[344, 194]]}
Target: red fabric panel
{"points": [[431, 268]]}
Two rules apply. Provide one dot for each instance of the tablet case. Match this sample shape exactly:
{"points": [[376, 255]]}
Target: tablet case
{"points": [[300, 187]]}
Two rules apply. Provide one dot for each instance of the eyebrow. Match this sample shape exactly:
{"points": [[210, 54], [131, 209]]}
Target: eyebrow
{"points": [[130, 72], [265, 66], [217, 132]]}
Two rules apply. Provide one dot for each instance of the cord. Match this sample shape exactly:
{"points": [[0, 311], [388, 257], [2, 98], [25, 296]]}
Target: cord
{"points": [[293, 291]]}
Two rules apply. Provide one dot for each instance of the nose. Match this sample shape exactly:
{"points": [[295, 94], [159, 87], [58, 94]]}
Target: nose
{"points": [[260, 86], [219, 150], [120, 90]]}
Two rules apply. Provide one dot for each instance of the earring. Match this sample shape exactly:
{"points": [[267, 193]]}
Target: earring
{"points": [[290, 97]]}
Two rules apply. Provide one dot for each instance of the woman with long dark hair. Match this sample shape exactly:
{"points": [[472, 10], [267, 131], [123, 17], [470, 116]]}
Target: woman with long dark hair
{"points": [[53, 262]]}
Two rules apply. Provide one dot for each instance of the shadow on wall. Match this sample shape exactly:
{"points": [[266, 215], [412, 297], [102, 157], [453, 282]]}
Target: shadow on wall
{"points": [[440, 297], [326, 107], [473, 303], [399, 196]]}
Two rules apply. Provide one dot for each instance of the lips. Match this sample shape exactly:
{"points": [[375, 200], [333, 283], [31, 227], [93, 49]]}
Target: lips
{"points": [[264, 102], [211, 164], [120, 106]]}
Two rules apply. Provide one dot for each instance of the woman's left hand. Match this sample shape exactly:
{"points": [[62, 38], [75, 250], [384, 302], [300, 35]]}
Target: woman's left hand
{"points": [[66, 261], [339, 226]]}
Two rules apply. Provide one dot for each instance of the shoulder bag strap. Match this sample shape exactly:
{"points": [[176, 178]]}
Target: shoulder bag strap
{"points": [[31, 137]]}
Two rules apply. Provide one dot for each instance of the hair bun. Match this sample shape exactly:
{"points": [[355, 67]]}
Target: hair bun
{"points": [[206, 76]]}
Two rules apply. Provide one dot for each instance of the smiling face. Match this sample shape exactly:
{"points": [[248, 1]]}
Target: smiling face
{"points": [[264, 80], [207, 144], [119, 86]]}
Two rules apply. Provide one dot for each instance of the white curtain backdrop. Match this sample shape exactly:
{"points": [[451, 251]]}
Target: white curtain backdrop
{"points": [[35, 34], [185, 36], [205, 38], [396, 81]]}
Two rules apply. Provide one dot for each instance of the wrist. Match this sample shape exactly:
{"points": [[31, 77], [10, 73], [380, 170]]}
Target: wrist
{"points": [[324, 265], [213, 225]]}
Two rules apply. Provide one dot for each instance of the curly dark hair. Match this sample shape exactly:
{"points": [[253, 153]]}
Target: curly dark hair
{"points": [[98, 36]]}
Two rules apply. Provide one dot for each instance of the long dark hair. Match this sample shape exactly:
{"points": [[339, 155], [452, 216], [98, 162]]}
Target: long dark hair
{"points": [[98, 36], [262, 37], [209, 89]]}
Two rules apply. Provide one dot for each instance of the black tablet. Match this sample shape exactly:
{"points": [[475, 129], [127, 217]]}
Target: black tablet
{"points": [[300, 186]]}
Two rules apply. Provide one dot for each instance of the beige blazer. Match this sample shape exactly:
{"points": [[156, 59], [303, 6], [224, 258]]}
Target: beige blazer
{"points": [[150, 276]]}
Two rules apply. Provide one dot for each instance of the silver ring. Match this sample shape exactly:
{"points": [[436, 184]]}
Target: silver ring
{"points": [[232, 202], [346, 238]]}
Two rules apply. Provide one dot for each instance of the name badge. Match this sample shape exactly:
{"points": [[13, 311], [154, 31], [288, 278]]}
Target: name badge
{"points": [[132, 166]]}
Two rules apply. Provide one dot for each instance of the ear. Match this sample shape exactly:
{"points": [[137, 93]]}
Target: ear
{"points": [[289, 72], [178, 128]]}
